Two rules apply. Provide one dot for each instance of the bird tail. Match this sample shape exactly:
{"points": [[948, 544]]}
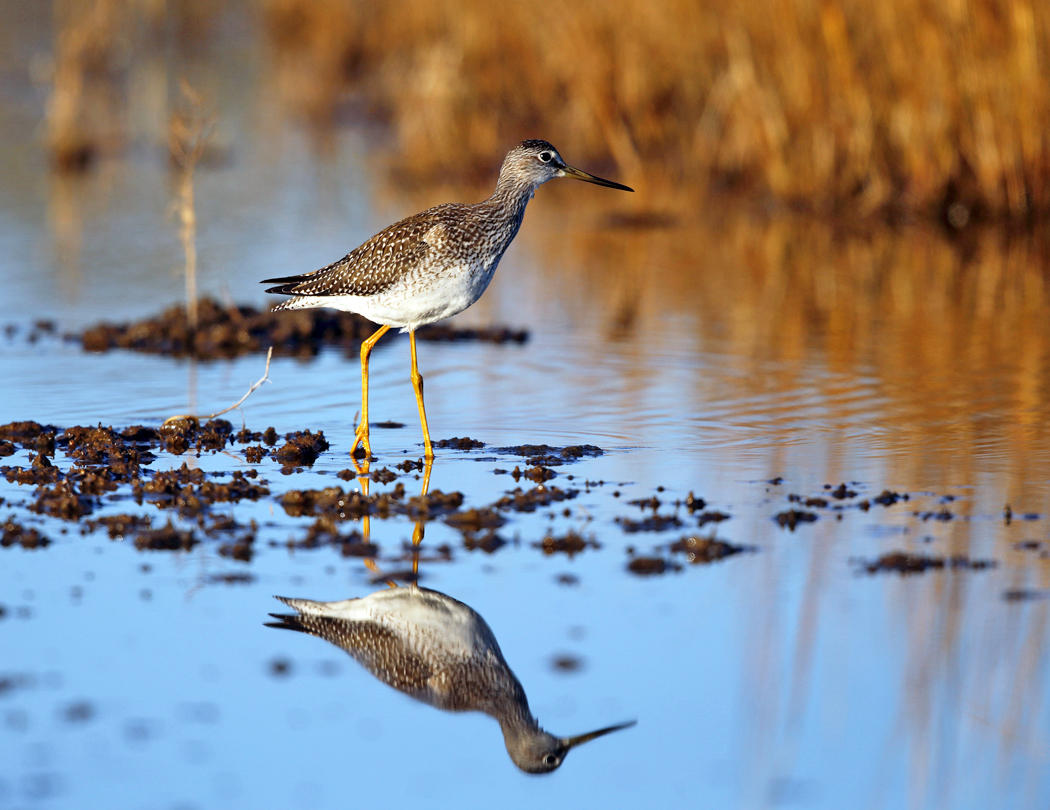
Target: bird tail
{"points": [[309, 607], [313, 618], [286, 621], [284, 285], [304, 605]]}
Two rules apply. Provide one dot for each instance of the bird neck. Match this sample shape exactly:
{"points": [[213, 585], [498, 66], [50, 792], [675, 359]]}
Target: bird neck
{"points": [[511, 196], [516, 722]]}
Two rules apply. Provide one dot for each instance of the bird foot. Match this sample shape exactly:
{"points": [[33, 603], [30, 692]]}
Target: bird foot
{"points": [[361, 448]]}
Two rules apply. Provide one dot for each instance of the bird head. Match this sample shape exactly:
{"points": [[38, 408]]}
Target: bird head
{"points": [[534, 162], [538, 751]]}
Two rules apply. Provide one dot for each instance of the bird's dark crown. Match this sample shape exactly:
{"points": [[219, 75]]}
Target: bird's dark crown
{"points": [[536, 143]]}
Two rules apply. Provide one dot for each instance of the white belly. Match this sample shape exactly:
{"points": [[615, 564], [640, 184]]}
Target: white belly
{"points": [[420, 300]]}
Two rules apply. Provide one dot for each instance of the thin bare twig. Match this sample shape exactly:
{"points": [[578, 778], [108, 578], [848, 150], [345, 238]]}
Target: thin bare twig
{"points": [[188, 135], [189, 417]]}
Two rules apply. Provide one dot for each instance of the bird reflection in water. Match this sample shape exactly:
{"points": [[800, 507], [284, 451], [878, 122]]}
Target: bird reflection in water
{"points": [[438, 650]]}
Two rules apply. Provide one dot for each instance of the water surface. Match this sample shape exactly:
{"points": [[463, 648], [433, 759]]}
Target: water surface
{"points": [[709, 355]]}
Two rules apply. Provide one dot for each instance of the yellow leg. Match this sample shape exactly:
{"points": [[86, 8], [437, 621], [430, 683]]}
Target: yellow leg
{"points": [[417, 383], [361, 436], [417, 531]]}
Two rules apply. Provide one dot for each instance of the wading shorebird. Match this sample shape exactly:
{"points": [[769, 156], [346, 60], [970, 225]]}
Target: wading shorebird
{"points": [[438, 650], [429, 266]]}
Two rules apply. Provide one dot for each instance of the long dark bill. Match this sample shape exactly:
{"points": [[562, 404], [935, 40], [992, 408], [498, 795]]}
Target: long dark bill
{"points": [[577, 174], [572, 742]]}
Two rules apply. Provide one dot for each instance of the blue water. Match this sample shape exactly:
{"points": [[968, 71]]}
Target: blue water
{"points": [[780, 677]]}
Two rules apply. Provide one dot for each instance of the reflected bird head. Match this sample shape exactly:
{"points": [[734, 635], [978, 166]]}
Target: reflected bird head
{"points": [[541, 752], [534, 162]]}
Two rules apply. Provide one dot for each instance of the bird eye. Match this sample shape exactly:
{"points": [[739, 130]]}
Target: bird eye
{"points": [[551, 760], [545, 157]]}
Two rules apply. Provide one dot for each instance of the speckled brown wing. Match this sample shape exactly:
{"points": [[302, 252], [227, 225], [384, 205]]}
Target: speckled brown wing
{"points": [[375, 647], [375, 266]]}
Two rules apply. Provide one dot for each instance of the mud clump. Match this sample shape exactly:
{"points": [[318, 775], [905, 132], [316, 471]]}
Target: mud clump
{"points": [[166, 538], [29, 434], [566, 663], [537, 474], [434, 504], [1009, 516], [254, 454], [302, 448], [905, 563], [647, 566], [242, 550], [92, 481], [653, 523], [226, 331], [15, 534], [40, 472], [790, 518], [333, 501], [121, 455], [459, 443], [474, 520], [487, 541], [700, 550], [942, 515], [120, 526], [888, 498], [1042, 550], [712, 516], [443, 333], [232, 578], [62, 501], [190, 491], [530, 500], [325, 532], [383, 475], [694, 503], [1024, 595], [543, 455], [571, 543], [338, 504], [841, 492], [179, 434]]}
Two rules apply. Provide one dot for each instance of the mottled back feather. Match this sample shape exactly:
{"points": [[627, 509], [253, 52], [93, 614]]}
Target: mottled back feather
{"points": [[442, 678], [379, 263], [375, 647]]}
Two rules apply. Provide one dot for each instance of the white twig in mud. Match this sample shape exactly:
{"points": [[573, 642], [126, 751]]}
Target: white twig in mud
{"points": [[189, 417]]}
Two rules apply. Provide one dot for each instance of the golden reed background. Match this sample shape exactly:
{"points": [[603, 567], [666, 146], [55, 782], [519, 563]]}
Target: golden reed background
{"points": [[914, 107], [900, 105]]}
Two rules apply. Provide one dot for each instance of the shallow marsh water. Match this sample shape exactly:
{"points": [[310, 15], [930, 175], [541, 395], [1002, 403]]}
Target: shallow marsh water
{"points": [[710, 355]]}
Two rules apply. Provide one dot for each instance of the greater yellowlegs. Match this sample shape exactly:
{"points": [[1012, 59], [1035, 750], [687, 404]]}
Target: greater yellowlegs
{"points": [[429, 266], [438, 650]]}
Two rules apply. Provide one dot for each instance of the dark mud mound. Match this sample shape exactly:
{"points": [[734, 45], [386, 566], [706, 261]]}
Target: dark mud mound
{"points": [[701, 550], [570, 543], [230, 330], [13, 533], [543, 455], [906, 563]]}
